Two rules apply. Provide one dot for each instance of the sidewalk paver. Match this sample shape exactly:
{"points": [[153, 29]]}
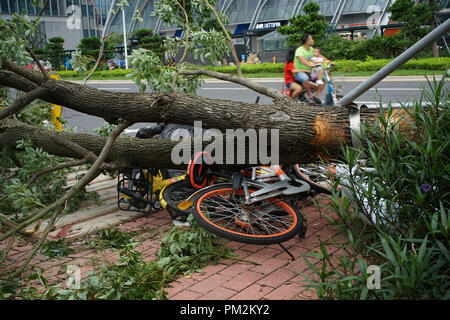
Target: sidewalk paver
{"points": [[274, 277]]}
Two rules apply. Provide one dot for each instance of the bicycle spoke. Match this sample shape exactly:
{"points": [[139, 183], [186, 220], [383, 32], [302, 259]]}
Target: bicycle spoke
{"points": [[225, 210]]}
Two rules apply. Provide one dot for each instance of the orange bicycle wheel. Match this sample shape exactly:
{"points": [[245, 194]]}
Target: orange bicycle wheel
{"points": [[267, 221]]}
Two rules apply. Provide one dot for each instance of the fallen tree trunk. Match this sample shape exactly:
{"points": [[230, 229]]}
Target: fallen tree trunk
{"points": [[322, 140], [306, 132]]}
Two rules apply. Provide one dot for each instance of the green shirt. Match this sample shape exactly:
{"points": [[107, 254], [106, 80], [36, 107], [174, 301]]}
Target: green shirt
{"points": [[307, 54]]}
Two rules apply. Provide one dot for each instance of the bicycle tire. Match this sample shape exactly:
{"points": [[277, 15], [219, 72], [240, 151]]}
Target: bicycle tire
{"points": [[235, 228], [197, 170], [175, 193], [317, 183]]}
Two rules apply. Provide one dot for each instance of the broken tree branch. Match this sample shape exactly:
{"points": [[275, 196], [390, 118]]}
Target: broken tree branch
{"points": [[172, 86], [38, 63], [38, 244], [88, 156], [32, 75], [64, 165], [22, 101], [8, 248], [233, 49], [260, 88], [102, 44], [92, 173]]}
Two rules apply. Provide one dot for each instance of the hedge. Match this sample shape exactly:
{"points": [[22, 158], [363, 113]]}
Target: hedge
{"points": [[267, 67], [116, 73], [345, 66]]}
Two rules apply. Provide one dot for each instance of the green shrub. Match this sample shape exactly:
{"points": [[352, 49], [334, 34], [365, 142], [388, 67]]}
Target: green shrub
{"points": [[397, 217], [342, 66], [338, 48], [153, 42], [18, 197], [91, 47], [267, 67]]}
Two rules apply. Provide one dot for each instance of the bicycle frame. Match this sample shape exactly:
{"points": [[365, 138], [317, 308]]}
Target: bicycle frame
{"points": [[331, 97], [269, 190], [272, 182], [132, 198]]}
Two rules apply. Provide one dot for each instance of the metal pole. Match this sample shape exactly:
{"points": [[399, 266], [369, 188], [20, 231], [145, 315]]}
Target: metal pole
{"points": [[337, 12], [133, 22], [109, 18], [394, 64], [298, 8], [125, 38], [378, 26]]}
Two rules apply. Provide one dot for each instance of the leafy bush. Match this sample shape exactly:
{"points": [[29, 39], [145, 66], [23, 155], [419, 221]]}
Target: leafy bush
{"points": [[150, 41], [343, 66], [397, 217], [378, 47], [267, 67], [311, 21], [55, 51], [91, 47], [18, 197]]}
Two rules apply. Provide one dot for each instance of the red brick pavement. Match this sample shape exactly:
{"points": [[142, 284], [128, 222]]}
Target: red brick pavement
{"points": [[275, 276]]}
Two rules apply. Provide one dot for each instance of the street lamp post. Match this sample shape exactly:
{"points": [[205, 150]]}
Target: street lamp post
{"points": [[125, 38]]}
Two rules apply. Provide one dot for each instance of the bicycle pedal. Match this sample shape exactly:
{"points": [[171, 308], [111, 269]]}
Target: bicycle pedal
{"points": [[157, 205]]}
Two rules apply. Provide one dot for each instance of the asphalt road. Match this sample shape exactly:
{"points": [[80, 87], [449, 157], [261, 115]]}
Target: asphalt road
{"points": [[392, 90]]}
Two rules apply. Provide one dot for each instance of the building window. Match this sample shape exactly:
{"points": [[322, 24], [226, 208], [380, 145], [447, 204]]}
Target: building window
{"points": [[242, 11], [277, 10], [68, 4], [91, 11], [31, 8], [48, 10], [54, 7], [22, 5], [85, 33], [38, 39], [4, 6], [84, 10], [13, 6]]}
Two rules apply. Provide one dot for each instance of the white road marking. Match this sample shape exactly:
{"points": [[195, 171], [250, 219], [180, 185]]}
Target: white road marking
{"points": [[114, 88], [372, 89], [224, 88], [394, 89]]}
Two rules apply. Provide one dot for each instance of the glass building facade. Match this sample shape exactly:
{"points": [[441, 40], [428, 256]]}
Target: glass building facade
{"points": [[248, 19], [91, 12]]}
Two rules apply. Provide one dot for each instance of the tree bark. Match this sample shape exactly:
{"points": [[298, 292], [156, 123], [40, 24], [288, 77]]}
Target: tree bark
{"points": [[323, 133], [305, 132]]}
